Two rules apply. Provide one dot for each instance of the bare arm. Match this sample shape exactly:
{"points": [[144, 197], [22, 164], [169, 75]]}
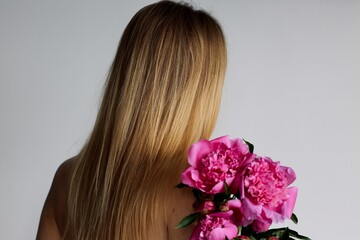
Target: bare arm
{"points": [[53, 216]]}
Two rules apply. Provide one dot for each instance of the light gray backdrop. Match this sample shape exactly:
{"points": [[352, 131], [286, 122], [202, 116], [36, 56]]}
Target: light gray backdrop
{"points": [[292, 88]]}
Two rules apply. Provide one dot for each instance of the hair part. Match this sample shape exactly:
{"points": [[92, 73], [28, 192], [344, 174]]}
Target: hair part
{"points": [[162, 94]]}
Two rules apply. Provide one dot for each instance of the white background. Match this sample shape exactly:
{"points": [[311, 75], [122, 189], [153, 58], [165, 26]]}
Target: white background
{"points": [[292, 89]]}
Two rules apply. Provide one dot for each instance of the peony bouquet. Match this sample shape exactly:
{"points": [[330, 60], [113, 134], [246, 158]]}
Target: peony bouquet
{"points": [[238, 193]]}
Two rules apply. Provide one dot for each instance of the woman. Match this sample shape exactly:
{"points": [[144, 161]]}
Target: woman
{"points": [[162, 94]]}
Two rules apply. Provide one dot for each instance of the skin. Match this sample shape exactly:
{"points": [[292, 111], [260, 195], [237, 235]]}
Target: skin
{"points": [[52, 220]]}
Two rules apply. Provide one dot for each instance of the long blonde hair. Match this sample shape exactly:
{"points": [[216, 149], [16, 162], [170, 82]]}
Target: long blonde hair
{"points": [[162, 93]]}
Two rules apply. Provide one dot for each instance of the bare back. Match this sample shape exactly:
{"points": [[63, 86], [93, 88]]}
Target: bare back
{"points": [[53, 217]]}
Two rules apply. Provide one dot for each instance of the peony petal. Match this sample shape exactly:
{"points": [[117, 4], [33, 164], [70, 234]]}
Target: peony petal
{"points": [[288, 206], [217, 234], [230, 231], [186, 177], [250, 211], [219, 187], [235, 206], [224, 139], [195, 175], [195, 234], [289, 174], [236, 185], [221, 214], [229, 180], [240, 145], [261, 225], [274, 214], [198, 150], [285, 210]]}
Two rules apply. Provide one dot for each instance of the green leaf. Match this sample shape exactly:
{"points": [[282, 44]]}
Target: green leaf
{"points": [[294, 218], [250, 145], [197, 194], [285, 234], [281, 233], [186, 221], [297, 235], [239, 230], [220, 197], [275, 231], [181, 185], [227, 189], [252, 237]]}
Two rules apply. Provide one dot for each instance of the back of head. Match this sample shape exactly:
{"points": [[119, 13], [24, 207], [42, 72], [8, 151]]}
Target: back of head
{"points": [[162, 94]]}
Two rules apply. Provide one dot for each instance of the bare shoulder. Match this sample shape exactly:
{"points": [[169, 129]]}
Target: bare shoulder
{"points": [[181, 206], [53, 215]]}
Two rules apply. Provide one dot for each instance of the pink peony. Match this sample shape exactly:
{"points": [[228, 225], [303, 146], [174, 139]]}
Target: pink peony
{"points": [[265, 195], [215, 226], [213, 162]]}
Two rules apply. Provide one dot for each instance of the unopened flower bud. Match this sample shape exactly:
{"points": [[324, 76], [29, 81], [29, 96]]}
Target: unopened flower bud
{"points": [[204, 207], [224, 207], [243, 238], [272, 238]]}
